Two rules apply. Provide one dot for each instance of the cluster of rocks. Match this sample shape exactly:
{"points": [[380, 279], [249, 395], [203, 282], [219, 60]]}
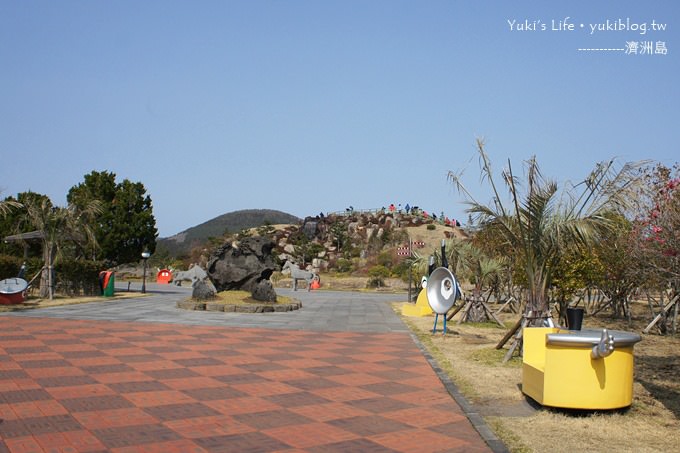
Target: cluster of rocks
{"points": [[245, 265], [359, 227]]}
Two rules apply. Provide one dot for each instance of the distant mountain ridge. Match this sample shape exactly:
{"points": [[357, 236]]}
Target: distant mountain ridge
{"points": [[231, 222]]}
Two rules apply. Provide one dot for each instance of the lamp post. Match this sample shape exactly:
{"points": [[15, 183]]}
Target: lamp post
{"points": [[145, 256]]}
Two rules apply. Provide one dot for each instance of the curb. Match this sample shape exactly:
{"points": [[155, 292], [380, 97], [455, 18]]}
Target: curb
{"points": [[494, 443]]}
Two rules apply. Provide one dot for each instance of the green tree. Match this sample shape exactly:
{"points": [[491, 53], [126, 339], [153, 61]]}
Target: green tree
{"points": [[339, 232], [538, 222], [576, 269], [125, 227]]}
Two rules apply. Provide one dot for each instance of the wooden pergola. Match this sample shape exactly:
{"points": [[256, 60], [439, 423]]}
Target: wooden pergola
{"points": [[25, 238]]}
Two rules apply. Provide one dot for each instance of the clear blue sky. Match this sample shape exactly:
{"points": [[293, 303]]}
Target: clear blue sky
{"points": [[309, 106]]}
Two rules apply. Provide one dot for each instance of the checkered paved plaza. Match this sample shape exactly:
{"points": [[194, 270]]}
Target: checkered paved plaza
{"points": [[340, 375]]}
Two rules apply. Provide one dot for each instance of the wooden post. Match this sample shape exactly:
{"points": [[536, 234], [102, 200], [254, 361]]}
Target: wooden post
{"points": [[50, 280], [663, 313], [517, 331], [508, 303], [511, 332], [463, 317], [675, 318], [489, 313], [518, 339], [450, 316]]}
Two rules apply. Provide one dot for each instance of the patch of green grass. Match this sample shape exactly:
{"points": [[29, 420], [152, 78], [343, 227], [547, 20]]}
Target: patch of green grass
{"points": [[485, 325], [494, 357]]}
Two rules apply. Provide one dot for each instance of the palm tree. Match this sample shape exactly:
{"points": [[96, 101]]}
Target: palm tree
{"points": [[539, 222], [468, 260], [56, 227], [6, 206]]}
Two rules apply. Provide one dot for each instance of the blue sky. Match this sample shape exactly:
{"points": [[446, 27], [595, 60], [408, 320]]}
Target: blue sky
{"points": [[309, 106]]}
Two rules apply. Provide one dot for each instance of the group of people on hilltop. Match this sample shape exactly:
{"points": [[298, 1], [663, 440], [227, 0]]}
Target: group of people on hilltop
{"points": [[409, 210], [413, 210]]}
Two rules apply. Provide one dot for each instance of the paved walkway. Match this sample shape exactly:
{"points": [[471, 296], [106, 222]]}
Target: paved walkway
{"points": [[341, 374], [334, 310]]}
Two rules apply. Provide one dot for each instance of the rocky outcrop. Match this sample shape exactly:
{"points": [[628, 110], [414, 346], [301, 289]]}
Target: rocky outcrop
{"points": [[241, 265], [321, 241]]}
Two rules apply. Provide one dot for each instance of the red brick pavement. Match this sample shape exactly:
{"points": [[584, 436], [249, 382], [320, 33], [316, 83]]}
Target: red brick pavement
{"points": [[84, 386]]}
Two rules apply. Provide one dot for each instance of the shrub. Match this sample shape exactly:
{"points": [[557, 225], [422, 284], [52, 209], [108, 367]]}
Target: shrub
{"points": [[78, 277], [400, 236], [244, 233], [343, 265], [375, 282], [73, 277], [265, 230], [379, 271], [385, 258], [9, 266], [401, 270], [377, 275], [431, 226], [352, 251]]}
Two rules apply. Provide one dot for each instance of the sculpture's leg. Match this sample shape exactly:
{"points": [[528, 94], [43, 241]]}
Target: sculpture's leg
{"points": [[444, 333], [434, 328]]}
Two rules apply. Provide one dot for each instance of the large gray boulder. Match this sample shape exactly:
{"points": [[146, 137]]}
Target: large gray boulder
{"points": [[241, 265], [264, 291], [203, 290]]}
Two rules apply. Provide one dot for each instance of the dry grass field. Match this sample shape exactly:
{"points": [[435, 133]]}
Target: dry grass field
{"points": [[36, 302], [651, 424]]}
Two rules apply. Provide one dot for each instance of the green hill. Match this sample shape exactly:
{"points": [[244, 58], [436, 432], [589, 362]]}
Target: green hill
{"points": [[232, 222]]}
